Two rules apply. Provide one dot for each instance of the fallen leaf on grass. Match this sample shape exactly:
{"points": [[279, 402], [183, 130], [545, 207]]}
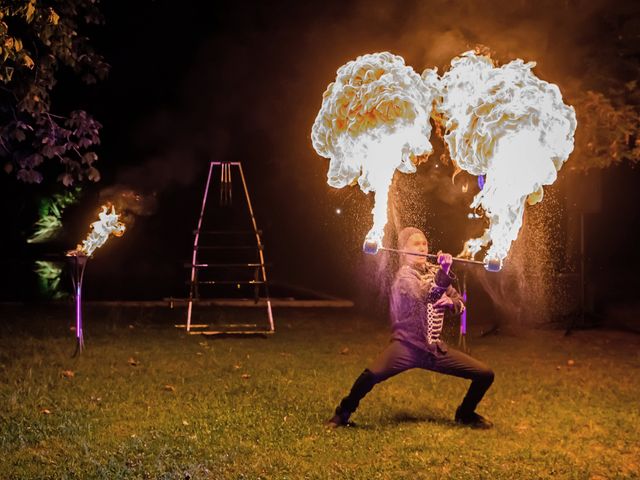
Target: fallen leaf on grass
{"points": [[185, 423], [237, 366], [46, 411], [170, 388], [198, 353], [67, 373], [133, 362], [246, 375], [344, 351]]}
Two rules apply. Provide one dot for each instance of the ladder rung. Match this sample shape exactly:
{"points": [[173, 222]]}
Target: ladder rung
{"points": [[229, 247], [228, 282], [228, 232], [231, 333], [215, 265]]}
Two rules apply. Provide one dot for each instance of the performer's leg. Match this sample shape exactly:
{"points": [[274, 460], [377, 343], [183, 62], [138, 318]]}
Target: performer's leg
{"points": [[396, 358], [456, 363]]}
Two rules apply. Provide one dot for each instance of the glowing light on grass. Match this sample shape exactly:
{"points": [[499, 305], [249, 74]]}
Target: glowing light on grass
{"points": [[108, 224], [374, 120], [509, 126]]}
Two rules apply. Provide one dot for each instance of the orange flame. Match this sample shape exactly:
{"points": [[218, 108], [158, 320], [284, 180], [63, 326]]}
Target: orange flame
{"points": [[108, 224]]}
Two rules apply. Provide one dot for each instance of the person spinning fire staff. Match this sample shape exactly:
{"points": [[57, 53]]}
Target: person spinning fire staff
{"points": [[420, 294]]}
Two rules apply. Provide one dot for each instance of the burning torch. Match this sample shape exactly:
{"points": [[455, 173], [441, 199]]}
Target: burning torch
{"points": [[107, 224]]}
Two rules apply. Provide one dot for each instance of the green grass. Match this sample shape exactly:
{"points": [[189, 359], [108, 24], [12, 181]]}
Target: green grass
{"points": [[253, 408]]}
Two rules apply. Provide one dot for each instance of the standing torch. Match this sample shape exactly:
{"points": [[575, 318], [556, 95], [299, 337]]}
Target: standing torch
{"points": [[77, 263], [107, 224]]}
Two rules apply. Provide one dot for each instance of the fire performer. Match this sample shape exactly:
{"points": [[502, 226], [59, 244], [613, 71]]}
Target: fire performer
{"points": [[420, 294]]}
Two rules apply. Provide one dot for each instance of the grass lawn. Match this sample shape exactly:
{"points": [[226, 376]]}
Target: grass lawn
{"points": [[147, 401]]}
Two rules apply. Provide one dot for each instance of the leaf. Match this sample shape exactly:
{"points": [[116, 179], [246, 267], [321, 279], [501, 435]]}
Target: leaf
{"points": [[169, 388], [54, 18], [67, 373], [89, 157], [27, 61], [93, 174], [133, 362], [31, 10], [66, 179], [46, 411]]}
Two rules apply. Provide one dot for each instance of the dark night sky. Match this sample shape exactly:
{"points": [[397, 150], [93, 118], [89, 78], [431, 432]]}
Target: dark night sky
{"points": [[193, 82]]}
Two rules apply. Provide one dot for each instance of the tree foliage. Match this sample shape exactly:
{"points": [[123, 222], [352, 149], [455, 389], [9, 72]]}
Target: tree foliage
{"points": [[39, 39]]}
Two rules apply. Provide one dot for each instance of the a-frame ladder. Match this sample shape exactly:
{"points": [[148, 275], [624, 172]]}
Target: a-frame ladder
{"points": [[225, 242]]}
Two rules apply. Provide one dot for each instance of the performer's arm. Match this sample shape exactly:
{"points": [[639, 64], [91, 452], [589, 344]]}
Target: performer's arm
{"points": [[450, 298]]}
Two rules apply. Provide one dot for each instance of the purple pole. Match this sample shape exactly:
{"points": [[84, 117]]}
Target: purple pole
{"points": [[462, 338], [78, 263], [463, 317]]}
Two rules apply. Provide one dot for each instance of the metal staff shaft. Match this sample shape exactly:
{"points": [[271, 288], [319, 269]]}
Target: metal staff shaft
{"points": [[372, 247], [431, 256]]}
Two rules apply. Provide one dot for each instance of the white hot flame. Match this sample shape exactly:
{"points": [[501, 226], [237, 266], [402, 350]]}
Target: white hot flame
{"points": [[108, 224], [512, 127], [374, 119]]}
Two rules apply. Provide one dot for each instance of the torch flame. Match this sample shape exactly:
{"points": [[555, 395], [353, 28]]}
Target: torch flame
{"points": [[513, 128], [108, 224], [374, 119]]}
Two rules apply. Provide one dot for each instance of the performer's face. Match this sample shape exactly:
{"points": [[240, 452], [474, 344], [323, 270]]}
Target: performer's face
{"points": [[417, 243]]}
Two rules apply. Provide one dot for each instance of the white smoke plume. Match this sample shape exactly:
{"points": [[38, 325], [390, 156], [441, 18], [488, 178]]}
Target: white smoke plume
{"points": [[510, 126], [374, 119]]}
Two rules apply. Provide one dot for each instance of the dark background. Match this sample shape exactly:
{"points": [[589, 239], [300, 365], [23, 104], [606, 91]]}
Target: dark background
{"points": [[193, 82]]}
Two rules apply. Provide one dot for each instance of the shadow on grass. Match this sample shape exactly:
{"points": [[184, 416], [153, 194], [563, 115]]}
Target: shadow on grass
{"points": [[412, 417]]}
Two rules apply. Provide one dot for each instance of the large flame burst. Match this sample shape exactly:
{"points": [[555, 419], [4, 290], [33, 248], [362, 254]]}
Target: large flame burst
{"points": [[374, 119], [512, 127], [108, 224], [502, 123]]}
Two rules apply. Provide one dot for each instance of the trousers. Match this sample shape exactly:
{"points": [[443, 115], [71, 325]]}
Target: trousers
{"points": [[399, 356]]}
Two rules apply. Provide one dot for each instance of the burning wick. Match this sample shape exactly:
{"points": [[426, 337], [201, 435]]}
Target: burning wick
{"points": [[372, 247], [107, 225]]}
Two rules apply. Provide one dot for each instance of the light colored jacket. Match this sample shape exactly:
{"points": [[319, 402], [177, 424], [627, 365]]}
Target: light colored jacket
{"points": [[413, 318]]}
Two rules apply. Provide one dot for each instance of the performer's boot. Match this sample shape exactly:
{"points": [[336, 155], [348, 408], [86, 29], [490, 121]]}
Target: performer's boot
{"points": [[465, 414], [472, 419], [363, 385]]}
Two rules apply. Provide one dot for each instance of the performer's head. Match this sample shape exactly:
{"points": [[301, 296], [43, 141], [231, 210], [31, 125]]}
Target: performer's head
{"points": [[413, 240]]}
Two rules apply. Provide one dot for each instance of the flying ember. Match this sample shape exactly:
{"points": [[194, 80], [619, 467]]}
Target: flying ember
{"points": [[374, 119], [108, 224], [511, 127]]}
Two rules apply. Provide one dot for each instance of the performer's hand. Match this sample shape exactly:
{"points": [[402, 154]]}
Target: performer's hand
{"points": [[443, 302], [445, 260]]}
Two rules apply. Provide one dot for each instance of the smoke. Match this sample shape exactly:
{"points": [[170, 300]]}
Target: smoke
{"points": [[255, 84]]}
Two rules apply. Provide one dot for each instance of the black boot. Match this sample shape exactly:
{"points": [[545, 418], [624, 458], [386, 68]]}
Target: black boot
{"points": [[363, 385], [339, 419], [472, 419]]}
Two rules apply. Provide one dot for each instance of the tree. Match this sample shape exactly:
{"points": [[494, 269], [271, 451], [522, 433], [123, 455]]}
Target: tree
{"points": [[39, 40]]}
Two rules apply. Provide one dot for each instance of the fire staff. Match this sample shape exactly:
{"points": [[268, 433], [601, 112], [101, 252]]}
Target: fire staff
{"points": [[420, 294]]}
